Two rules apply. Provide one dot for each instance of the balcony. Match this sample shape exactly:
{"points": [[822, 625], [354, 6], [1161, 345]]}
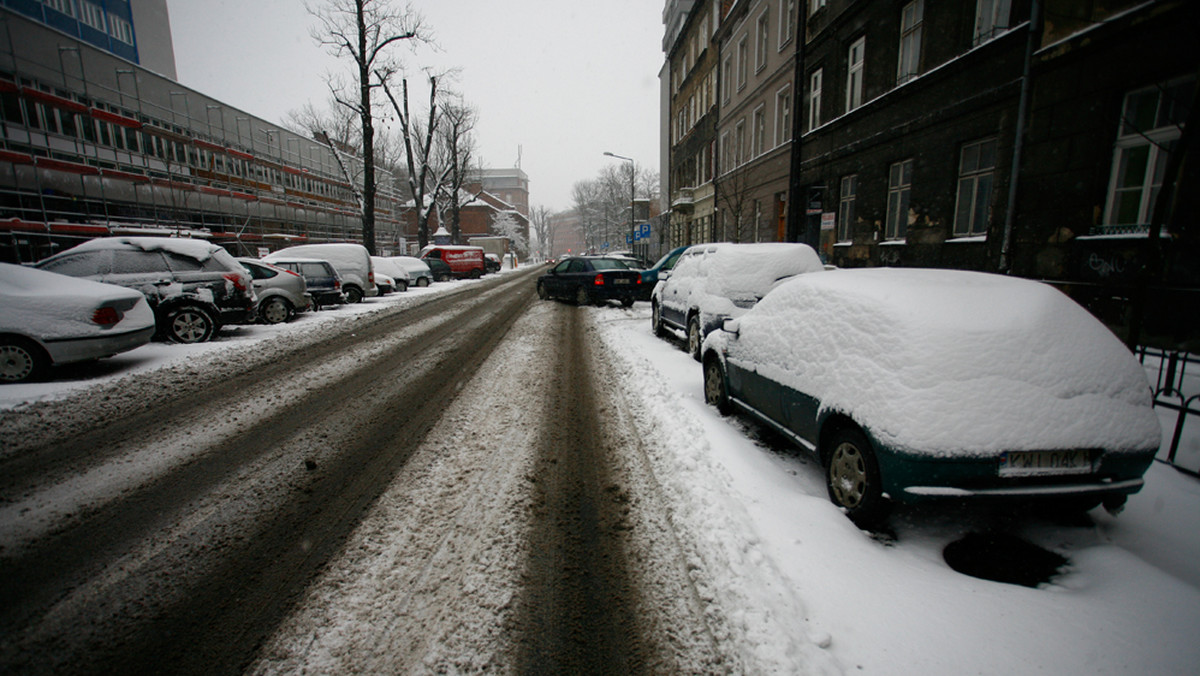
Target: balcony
{"points": [[683, 201]]}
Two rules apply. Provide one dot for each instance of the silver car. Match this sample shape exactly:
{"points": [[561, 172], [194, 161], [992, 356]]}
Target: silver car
{"points": [[281, 292], [47, 318]]}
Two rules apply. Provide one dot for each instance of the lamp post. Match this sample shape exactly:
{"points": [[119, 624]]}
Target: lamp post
{"points": [[632, 197]]}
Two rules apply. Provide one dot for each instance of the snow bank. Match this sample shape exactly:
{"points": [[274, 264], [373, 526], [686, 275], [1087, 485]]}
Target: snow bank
{"points": [[942, 362]]}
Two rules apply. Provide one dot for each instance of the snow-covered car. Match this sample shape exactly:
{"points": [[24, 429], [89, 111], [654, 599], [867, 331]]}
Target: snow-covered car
{"points": [[491, 262], [712, 282], [352, 262], [418, 271], [281, 292], [914, 384], [194, 287], [591, 279], [48, 319], [398, 274]]}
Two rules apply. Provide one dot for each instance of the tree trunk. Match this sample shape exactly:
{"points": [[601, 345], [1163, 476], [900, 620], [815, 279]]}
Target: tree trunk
{"points": [[368, 132]]}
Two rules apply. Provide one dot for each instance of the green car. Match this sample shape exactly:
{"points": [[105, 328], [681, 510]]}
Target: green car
{"points": [[912, 385]]}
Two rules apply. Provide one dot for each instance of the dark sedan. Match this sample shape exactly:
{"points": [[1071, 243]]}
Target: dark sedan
{"points": [[591, 279]]}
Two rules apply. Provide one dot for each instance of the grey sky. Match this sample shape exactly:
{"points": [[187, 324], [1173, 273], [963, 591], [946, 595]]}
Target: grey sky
{"points": [[565, 80]]}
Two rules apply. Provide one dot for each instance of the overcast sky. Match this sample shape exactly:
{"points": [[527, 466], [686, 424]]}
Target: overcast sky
{"points": [[564, 80]]}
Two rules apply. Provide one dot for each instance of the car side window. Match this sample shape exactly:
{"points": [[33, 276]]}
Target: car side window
{"points": [[260, 272], [670, 262], [80, 265], [577, 265], [135, 262], [562, 267], [179, 263]]}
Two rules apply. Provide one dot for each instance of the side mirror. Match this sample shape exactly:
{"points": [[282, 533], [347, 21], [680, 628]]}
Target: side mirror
{"points": [[664, 275], [731, 326]]}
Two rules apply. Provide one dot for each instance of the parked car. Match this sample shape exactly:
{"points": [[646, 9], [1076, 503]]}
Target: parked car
{"points": [[915, 384], [491, 262], [712, 282], [388, 266], [591, 279], [464, 261], [320, 277], [352, 262], [281, 292], [439, 268], [48, 319], [651, 274], [419, 272], [193, 286]]}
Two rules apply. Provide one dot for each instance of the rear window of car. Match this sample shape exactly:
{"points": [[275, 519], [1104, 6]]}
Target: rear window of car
{"points": [[314, 270], [609, 264], [259, 271]]}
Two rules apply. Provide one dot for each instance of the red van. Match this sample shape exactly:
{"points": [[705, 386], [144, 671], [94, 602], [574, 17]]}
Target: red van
{"points": [[464, 261]]}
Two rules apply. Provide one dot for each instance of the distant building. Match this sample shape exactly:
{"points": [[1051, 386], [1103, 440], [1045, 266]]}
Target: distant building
{"points": [[566, 228], [510, 185]]}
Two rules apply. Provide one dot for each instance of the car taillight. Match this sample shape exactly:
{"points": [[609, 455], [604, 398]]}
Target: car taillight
{"points": [[239, 281], [599, 280], [106, 316], [337, 284]]}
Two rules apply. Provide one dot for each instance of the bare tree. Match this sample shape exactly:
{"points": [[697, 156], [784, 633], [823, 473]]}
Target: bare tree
{"points": [[539, 220], [456, 152], [424, 179], [364, 30]]}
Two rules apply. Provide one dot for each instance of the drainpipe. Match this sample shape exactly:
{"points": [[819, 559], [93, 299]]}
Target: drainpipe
{"points": [[1035, 17], [795, 209]]}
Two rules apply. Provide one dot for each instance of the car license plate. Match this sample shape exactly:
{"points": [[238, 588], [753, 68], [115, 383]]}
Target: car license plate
{"points": [[1045, 463], [620, 281]]}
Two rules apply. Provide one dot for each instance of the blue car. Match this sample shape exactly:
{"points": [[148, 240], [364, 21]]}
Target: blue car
{"points": [[651, 274]]}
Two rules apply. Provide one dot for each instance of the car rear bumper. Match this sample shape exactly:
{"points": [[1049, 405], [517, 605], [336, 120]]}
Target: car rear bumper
{"points": [[69, 350]]}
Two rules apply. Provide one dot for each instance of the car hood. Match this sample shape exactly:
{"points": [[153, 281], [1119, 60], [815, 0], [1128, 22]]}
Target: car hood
{"points": [[948, 362]]}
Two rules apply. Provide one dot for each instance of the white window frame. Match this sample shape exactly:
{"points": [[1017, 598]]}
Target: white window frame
{"points": [[727, 78], [899, 198], [762, 32], [743, 66], [787, 22], [847, 207], [739, 141], [976, 176], [726, 161], [992, 17], [92, 15], [65, 6], [783, 115], [856, 57], [120, 29], [908, 64], [815, 5], [759, 130], [815, 83]]}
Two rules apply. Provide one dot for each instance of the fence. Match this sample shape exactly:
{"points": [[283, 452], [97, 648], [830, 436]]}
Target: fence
{"points": [[1177, 389]]}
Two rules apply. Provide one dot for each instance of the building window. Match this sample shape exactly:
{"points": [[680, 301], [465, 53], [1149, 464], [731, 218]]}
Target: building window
{"points": [[846, 203], [899, 190], [976, 166], [739, 141], [814, 99], [65, 6], [1151, 123], [783, 115], [92, 15], [854, 73], [814, 5], [760, 130], [910, 40], [726, 159], [743, 56], [120, 29], [726, 78], [760, 41], [991, 19], [787, 21]]}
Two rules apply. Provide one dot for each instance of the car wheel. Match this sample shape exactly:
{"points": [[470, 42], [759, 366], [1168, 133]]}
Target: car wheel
{"points": [[715, 393], [401, 286], [581, 297], [276, 310], [422, 281], [694, 339], [852, 477], [21, 360], [656, 323], [190, 324], [626, 302], [353, 294], [542, 293]]}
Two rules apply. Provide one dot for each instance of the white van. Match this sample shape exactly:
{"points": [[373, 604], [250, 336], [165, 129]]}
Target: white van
{"points": [[352, 262]]}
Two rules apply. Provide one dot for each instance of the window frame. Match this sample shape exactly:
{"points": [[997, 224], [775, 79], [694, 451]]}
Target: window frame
{"points": [[854, 73], [816, 83], [787, 23], [972, 178], [762, 39], [783, 114], [847, 207], [758, 131], [899, 199], [743, 57], [908, 62]]}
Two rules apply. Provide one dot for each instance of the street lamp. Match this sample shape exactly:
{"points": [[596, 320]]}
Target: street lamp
{"points": [[632, 196]]}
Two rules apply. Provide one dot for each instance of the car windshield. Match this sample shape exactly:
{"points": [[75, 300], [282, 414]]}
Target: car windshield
{"points": [[609, 264]]}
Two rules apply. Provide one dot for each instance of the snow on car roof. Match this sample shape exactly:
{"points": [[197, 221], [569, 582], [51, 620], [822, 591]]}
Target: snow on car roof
{"points": [[950, 362], [740, 269], [191, 248]]}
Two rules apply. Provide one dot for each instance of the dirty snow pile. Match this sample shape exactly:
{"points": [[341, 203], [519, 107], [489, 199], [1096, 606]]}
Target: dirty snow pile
{"points": [[946, 361]]}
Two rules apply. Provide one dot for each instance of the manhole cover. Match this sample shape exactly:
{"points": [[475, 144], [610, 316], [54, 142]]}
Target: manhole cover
{"points": [[1003, 558]]}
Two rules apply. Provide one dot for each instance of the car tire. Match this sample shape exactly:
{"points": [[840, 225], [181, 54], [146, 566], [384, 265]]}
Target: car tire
{"points": [[852, 477], [656, 322], [276, 310], [715, 392], [22, 360], [190, 324], [581, 297], [422, 282], [542, 292], [401, 286], [626, 302], [694, 339], [353, 294]]}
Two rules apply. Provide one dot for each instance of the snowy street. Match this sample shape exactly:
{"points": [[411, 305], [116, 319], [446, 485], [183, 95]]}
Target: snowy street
{"points": [[464, 478]]}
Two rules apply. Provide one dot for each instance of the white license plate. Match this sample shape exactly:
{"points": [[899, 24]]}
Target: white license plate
{"points": [[620, 281], [1045, 463]]}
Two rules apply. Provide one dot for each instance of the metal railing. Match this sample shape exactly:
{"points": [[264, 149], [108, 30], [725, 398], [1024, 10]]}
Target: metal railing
{"points": [[1176, 389]]}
